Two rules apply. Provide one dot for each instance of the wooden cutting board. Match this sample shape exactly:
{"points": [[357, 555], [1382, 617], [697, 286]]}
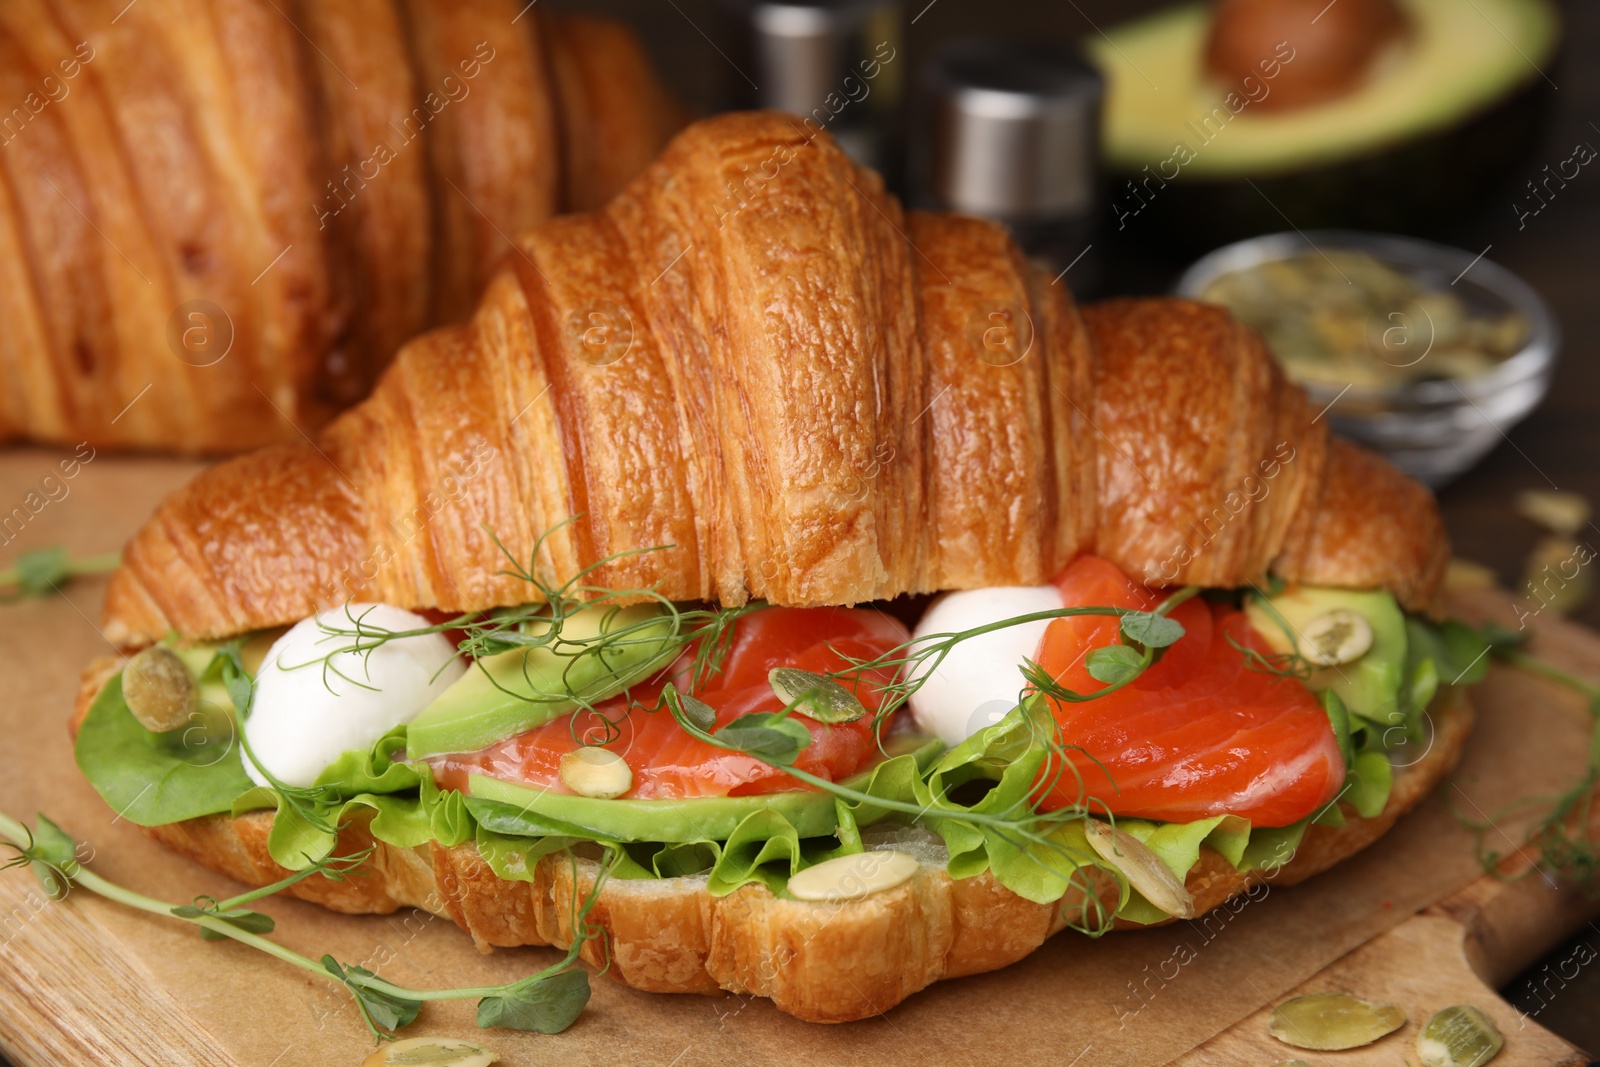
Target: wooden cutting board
{"points": [[1412, 921]]}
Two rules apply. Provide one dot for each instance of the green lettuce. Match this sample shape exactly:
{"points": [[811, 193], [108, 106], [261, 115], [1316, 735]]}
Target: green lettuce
{"points": [[977, 797]]}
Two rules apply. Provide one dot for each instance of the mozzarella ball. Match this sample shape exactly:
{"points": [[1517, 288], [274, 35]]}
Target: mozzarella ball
{"points": [[980, 679], [313, 703]]}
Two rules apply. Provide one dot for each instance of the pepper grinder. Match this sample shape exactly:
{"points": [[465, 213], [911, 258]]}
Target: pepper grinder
{"points": [[837, 64], [1012, 133]]}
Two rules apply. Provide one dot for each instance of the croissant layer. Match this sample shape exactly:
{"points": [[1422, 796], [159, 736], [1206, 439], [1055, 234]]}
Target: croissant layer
{"points": [[219, 219], [792, 390]]}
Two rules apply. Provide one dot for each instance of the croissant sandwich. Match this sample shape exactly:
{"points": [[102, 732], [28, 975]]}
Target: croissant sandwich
{"points": [[783, 593], [219, 221]]}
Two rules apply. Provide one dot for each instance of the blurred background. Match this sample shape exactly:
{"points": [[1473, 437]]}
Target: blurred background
{"points": [[1493, 165]]}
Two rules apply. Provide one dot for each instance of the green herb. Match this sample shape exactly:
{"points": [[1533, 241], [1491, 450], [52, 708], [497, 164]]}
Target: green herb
{"points": [[233, 912], [1150, 629], [1277, 664], [910, 664], [690, 707], [545, 1001], [1561, 834], [767, 735], [45, 570], [545, 1005], [541, 624], [383, 1011], [1114, 664]]}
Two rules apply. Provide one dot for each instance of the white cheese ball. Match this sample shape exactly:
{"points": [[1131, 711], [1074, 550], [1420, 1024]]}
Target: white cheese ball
{"points": [[981, 677], [312, 707]]}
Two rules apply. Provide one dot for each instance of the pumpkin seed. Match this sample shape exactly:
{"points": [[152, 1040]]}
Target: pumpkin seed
{"points": [[159, 690], [1460, 1036], [1557, 511], [431, 1052], [1144, 869], [1340, 636], [596, 772], [853, 877], [1328, 1022], [816, 695]]}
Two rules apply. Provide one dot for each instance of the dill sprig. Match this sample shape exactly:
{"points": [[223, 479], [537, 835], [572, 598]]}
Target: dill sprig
{"points": [[1277, 664], [1562, 833], [547, 1001], [544, 623], [776, 739]]}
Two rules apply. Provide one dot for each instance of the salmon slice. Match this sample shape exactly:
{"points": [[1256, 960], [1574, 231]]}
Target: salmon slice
{"points": [[667, 762], [1200, 733]]}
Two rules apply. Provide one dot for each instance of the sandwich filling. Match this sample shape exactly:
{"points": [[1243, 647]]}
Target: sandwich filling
{"points": [[747, 745]]}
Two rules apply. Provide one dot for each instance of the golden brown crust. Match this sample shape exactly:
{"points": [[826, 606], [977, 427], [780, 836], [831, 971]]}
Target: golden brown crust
{"points": [[328, 178], [819, 962], [807, 406]]}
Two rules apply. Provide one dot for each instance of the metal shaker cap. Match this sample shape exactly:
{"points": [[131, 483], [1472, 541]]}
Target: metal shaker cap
{"points": [[1015, 129], [836, 63]]}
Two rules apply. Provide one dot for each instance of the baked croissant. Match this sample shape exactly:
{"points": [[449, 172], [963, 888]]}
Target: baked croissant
{"points": [[221, 220], [813, 398]]}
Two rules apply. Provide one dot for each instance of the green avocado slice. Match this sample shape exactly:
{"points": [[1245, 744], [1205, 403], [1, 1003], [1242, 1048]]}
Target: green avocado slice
{"points": [[1459, 60], [529, 811], [1368, 687], [507, 808], [506, 694]]}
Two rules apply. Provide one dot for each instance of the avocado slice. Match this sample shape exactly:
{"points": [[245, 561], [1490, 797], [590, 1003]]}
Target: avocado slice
{"points": [[1368, 687], [530, 811], [1436, 126], [511, 692]]}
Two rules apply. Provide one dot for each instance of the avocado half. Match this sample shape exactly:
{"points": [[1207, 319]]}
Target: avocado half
{"points": [[1439, 123]]}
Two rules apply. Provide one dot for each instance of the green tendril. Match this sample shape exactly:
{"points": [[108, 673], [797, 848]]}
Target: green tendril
{"points": [[1561, 833], [547, 1001]]}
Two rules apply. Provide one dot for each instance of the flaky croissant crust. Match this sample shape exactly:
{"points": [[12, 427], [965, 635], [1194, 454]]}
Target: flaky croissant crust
{"points": [[754, 356], [218, 221]]}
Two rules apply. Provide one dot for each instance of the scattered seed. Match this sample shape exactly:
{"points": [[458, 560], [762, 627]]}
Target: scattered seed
{"points": [[431, 1052], [1558, 575], [1464, 574], [1328, 1022], [596, 772], [159, 690], [1461, 1036], [1340, 636], [853, 877], [1557, 511], [816, 695], [1144, 869]]}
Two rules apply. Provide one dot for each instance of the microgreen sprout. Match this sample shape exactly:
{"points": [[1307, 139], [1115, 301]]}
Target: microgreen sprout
{"points": [[544, 623], [44, 570], [778, 740], [546, 1002]]}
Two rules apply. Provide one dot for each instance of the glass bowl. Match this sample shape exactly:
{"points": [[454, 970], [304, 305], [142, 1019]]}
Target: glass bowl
{"points": [[1431, 428]]}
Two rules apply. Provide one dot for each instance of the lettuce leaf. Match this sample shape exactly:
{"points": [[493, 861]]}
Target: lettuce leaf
{"points": [[153, 779]]}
